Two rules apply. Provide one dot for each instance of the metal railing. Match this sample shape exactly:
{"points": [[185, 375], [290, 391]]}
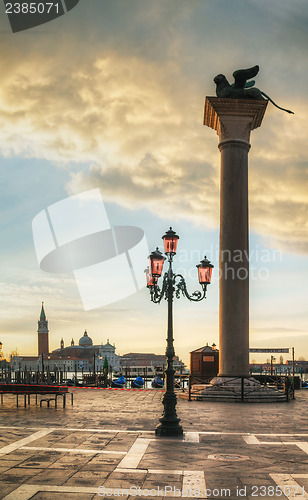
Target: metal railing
{"points": [[284, 388]]}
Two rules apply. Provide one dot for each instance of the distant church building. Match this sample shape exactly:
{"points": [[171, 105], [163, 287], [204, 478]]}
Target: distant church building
{"points": [[80, 357], [85, 351], [43, 343]]}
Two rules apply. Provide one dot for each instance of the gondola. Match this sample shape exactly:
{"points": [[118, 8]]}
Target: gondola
{"points": [[138, 383], [157, 383], [119, 382]]}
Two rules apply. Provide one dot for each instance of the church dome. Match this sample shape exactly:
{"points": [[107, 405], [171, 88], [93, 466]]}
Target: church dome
{"points": [[85, 341]]}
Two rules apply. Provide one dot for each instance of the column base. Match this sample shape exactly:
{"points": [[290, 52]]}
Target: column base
{"points": [[237, 389], [234, 382]]}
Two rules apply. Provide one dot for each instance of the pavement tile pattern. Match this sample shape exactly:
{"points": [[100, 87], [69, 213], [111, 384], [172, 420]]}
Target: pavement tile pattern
{"points": [[104, 446]]}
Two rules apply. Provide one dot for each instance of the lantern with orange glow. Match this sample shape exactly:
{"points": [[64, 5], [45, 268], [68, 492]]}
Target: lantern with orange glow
{"points": [[156, 263], [150, 280], [205, 269], [170, 241]]}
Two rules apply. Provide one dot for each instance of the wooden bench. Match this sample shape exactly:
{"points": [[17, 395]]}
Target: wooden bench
{"points": [[27, 390]]}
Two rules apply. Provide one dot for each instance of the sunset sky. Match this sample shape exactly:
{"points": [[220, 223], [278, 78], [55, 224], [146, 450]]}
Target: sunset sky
{"points": [[111, 96]]}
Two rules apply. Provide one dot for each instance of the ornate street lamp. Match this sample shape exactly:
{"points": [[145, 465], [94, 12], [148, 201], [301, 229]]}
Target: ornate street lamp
{"points": [[172, 285], [205, 269]]}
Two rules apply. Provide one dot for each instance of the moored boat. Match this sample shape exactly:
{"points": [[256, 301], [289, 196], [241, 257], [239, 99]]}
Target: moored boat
{"points": [[158, 382], [119, 382], [138, 383]]}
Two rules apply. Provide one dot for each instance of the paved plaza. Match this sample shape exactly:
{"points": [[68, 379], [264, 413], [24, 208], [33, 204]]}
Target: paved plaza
{"points": [[104, 446]]}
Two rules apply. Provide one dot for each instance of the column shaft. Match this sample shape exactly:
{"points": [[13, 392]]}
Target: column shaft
{"points": [[233, 120], [234, 260]]}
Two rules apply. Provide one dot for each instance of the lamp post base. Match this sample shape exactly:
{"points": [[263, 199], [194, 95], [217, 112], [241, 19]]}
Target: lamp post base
{"points": [[170, 429], [169, 422]]}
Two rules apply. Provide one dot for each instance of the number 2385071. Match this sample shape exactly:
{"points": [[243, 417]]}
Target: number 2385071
{"points": [[31, 7]]}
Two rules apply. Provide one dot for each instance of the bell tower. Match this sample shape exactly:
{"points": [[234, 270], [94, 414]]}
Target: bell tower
{"points": [[43, 343]]}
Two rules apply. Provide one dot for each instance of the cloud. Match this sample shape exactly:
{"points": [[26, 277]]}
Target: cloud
{"points": [[182, 189], [143, 134], [93, 112], [129, 102], [278, 181]]}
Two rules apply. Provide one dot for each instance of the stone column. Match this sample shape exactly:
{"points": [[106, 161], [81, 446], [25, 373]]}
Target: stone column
{"points": [[233, 120]]}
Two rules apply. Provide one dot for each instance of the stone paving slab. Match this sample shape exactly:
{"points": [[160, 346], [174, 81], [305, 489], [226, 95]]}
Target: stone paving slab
{"points": [[106, 439]]}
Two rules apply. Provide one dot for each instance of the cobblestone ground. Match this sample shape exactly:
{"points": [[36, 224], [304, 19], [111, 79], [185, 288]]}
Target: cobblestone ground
{"points": [[105, 445]]}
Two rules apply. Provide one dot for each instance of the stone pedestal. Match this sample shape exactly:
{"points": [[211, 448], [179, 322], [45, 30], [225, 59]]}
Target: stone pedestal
{"points": [[233, 120]]}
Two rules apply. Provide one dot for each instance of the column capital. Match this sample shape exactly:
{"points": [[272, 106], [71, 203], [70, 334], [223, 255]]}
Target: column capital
{"points": [[233, 119]]}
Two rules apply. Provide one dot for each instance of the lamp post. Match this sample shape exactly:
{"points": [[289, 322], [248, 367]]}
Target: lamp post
{"points": [[172, 286]]}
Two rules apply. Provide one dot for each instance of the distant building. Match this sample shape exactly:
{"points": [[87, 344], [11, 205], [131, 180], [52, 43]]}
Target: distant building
{"points": [[32, 363], [74, 357], [204, 363], [36, 364], [138, 361], [279, 368], [267, 369], [299, 366], [43, 332], [85, 351]]}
